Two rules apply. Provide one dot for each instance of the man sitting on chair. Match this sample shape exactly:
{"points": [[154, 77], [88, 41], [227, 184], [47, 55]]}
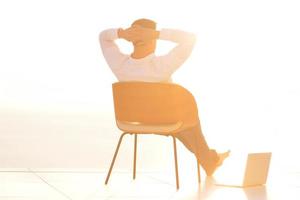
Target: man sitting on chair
{"points": [[144, 65]]}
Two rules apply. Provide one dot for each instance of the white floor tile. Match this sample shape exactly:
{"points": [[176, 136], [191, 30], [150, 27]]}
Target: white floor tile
{"points": [[8, 169], [25, 185], [136, 198], [74, 170], [90, 186], [29, 198], [76, 185], [121, 185]]}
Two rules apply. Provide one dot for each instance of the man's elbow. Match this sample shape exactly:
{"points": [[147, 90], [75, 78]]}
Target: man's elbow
{"points": [[101, 36], [192, 39], [188, 46], [108, 35], [104, 38]]}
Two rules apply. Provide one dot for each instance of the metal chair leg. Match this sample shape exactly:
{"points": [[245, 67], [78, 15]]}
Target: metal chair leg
{"points": [[176, 165], [114, 158], [134, 156], [198, 169]]}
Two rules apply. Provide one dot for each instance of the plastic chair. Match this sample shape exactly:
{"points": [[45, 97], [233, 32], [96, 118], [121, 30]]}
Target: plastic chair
{"points": [[152, 108]]}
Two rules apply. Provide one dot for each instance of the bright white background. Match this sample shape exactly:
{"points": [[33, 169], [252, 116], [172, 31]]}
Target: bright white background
{"points": [[55, 87]]}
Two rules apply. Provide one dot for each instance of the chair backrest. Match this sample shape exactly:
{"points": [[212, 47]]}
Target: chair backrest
{"points": [[154, 103]]}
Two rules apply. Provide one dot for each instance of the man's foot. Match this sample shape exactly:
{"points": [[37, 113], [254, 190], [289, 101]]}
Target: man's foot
{"points": [[222, 157]]}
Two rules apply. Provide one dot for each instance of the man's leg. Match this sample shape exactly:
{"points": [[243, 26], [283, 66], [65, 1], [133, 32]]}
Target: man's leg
{"points": [[194, 140]]}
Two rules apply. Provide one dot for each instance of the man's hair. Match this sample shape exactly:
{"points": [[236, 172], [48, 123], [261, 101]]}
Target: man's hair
{"points": [[146, 23]]}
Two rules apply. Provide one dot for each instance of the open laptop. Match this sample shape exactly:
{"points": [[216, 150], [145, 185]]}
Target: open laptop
{"points": [[255, 172]]}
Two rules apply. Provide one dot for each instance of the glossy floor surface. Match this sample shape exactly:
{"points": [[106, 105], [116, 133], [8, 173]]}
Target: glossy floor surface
{"points": [[31, 184]]}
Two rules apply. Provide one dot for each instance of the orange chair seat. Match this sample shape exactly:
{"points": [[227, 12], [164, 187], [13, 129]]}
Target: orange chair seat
{"points": [[137, 127]]}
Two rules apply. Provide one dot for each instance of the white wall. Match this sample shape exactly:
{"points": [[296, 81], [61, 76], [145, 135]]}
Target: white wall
{"points": [[243, 72]]}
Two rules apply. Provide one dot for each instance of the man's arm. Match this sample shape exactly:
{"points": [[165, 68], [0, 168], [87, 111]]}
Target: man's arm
{"points": [[110, 50], [176, 57]]}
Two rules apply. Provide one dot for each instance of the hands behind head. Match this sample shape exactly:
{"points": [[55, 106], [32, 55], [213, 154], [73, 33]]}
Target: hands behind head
{"points": [[138, 33]]}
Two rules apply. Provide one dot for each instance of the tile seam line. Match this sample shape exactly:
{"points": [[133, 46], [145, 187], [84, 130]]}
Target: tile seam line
{"points": [[50, 185]]}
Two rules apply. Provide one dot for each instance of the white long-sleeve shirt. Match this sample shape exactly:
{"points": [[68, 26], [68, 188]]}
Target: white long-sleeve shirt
{"points": [[151, 68]]}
